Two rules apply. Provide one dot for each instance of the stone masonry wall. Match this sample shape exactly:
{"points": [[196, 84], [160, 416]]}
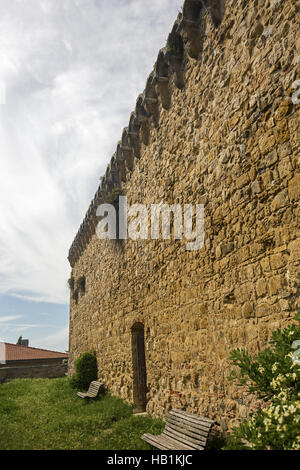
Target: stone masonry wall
{"points": [[229, 138]]}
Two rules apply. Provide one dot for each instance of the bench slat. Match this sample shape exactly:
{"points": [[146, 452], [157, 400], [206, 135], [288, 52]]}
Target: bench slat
{"points": [[195, 417], [184, 439], [187, 425], [193, 421], [153, 441], [179, 421], [186, 432], [197, 420], [95, 386], [192, 416], [183, 431], [171, 443], [92, 391]]}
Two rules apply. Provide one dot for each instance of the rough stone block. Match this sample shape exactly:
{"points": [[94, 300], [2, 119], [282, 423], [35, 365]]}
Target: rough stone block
{"points": [[294, 188], [280, 200]]}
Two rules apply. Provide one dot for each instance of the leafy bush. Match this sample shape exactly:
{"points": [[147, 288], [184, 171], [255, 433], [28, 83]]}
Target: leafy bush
{"points": [[274, 377], [85, 370]]}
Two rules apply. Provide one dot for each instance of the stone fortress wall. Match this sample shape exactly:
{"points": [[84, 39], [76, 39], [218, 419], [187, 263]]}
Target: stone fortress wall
{"points": [[215, 125]]}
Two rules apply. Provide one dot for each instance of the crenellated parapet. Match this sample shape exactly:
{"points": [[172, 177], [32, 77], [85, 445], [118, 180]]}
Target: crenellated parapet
{"points": [[185, 40]]}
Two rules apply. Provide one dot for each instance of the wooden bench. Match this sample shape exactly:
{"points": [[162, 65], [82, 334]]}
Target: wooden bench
{"points": [[183, 431], [93, 390]]}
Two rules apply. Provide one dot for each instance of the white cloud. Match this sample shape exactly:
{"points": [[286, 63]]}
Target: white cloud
{"points": [[22, 327], [72, 71], [10, 318], [56, 341]]}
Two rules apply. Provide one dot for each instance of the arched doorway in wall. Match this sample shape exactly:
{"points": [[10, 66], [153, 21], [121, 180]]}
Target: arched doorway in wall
{"points": [[139, 368]]}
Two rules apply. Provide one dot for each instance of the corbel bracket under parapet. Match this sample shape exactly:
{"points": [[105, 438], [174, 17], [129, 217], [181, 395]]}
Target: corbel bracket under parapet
{"points": [[216, 9], [127, 150], [115, 171], [162, 80], [143, 119], [151, 102], [134, 135], [193, 26], [174, 54]]}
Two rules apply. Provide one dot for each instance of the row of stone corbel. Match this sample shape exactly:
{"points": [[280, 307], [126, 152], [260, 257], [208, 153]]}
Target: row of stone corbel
{"points": [[186, 35]]}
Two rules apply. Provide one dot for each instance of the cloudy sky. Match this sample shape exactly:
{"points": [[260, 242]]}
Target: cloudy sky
{"points": [[70, 73]]}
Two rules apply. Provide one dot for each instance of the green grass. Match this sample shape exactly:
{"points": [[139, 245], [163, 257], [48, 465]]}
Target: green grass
{"points": [[46, 414]]}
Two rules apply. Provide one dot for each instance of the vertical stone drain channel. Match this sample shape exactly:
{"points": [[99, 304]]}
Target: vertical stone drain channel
{"points": [[139, 368]]}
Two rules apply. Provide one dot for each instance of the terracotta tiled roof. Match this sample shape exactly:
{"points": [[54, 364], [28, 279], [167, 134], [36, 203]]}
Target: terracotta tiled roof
{"points": [[14, 352]]}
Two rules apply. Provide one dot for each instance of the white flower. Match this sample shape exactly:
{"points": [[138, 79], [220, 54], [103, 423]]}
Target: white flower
{"points": [[267, 423], [292, 409]]}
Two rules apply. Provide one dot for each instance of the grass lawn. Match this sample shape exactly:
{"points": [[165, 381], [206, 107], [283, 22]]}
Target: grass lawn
{"points": [[45, 414]]}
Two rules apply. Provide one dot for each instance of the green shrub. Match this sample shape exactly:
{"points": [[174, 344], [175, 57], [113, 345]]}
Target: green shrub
{"points": [[274, 377], [85, 370]]}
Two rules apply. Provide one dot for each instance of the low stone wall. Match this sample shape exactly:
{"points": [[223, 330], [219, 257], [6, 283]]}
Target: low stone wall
{"points": [[32, 372]]}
